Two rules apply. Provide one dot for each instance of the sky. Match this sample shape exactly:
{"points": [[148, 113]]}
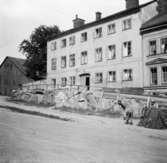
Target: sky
{"points": [[18, 18]]}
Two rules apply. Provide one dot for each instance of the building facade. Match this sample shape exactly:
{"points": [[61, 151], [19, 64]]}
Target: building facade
{"points": [[12, 75], [154, 33], [104, 53]]}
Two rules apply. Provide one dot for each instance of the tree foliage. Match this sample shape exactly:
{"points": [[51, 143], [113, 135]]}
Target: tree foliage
{"points": [[35, 50]]}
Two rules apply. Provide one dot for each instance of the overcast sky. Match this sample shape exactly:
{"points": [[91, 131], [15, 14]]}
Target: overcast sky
{"points": [[18, 18]]}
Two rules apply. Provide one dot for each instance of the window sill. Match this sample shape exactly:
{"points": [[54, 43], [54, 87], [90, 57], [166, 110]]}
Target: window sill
{"points": [[157, 54], [127, 56], [125, 29], [98, 61], [111, 81], [127, 80], [111, 33], [111, 58], [84, 63], [98, 82]]}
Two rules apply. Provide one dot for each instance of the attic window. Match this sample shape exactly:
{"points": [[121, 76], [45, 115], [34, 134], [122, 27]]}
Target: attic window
{"points": [[127, 24], [98, 32]]}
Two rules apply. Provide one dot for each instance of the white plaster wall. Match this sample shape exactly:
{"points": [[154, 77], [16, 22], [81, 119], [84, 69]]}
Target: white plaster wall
{"points": [[146, 38]]}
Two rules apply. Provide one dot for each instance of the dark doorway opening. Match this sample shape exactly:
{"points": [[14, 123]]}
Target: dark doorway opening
{"points": [[88, 82]]}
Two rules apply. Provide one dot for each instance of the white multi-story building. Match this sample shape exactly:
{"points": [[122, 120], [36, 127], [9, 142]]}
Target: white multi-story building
{"points": [[154, 34], [104, 53]]}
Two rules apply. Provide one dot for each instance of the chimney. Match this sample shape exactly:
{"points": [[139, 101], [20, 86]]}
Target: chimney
{"points": [[132, 4], [98, 16], [77, 22], [162, 6]]}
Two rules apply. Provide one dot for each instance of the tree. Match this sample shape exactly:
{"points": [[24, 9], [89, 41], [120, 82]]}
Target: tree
{"points": [[35, 50]]}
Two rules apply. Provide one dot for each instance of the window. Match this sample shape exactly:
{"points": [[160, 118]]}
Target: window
{"points": [[111, 50], [98, 55], [164, 74], [152, 47], [63, 43], [53, 46], [63, 81], [84, 37], [54, 63], [127, 49], [54, 82], [127, 74], [111, 28], [164, 45], [72, 40], [111, 76], [127, 24], [154, 77], [63, 62], [72, 80], [72, 60], [98, 32], [99, 77], [84, 58]]}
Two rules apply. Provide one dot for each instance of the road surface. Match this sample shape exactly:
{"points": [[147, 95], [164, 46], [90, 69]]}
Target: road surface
{"points": [[31, 139]]}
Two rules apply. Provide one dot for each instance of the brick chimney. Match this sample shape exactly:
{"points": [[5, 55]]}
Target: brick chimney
{"points": [[77, 22], [132, 4], [98, 15], [162, 6]]}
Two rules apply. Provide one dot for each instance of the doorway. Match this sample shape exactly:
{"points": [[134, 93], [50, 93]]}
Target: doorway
{"points": [[87, 82]]}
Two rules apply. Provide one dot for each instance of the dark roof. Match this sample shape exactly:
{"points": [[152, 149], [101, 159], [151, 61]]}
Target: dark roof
{"points": [[103, 20], [18, 62], [156, 23]]}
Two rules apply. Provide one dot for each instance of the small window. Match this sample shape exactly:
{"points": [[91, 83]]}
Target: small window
{"points": [[164, 74], [152, 47], [98, 55], [54, 82], [53, 46], [127, 49], [111, 28], [54, 63], [98, 32], [72, 60], [127, 75], [164, 45], [154, 76], [72, 40], [99, 77], [112, 76], [72, 80], [63, 43], [127, 24], [63, 81], [63, 62], [84, 57], [111, 51], [84, 37]]}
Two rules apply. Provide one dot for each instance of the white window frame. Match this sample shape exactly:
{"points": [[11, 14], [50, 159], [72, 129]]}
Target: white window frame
{"points": [[72, 60], [98, 77], [63, 81], [111, 28], [111, 76], [63, 43], [164, 76], [152, 49], [53, 46], [128, 76], [53, 64], [99, 54], [71, 40], [128, 48], [72, 80], [163, 49], [111, 52], [84, 36], [98, 33], [84, 57], [127, 24], [63, 59]]}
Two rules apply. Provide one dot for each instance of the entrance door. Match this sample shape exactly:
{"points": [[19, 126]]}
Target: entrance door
{"points": [[87, 82]]}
